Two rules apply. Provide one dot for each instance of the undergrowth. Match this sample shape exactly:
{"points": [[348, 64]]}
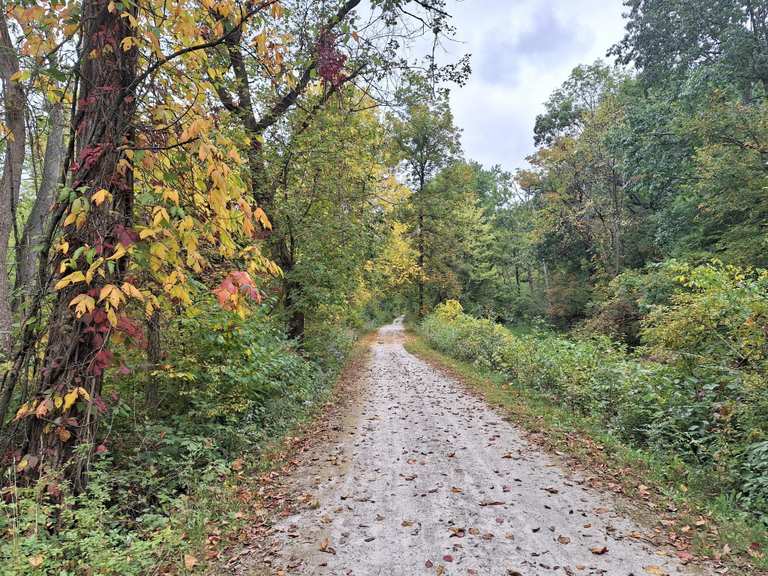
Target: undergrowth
{"points": [[651, 417], [162, 487]]}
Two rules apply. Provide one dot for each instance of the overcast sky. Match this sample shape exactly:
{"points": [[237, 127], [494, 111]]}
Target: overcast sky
{"points": [[521, 51]]}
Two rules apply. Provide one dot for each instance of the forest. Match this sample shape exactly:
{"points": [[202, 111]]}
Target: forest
{"points": [[206, 204]]}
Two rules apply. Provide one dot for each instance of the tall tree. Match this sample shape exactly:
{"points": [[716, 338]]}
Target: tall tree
{"points": [[13, 165], [428, 141]]}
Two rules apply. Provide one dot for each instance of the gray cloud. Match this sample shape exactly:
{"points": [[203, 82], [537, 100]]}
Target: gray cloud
{"points": [[521, 50], [544, 41]]}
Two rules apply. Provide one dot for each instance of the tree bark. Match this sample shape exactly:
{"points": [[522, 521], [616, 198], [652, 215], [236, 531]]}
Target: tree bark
{"points": [[154, 355], [10, 183], [76, 353], [28, 249]]}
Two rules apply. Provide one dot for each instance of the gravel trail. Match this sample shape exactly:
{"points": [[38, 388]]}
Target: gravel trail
{"points": [[424, 478]]}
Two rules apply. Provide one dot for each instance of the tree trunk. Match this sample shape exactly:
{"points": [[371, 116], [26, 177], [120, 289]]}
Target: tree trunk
{"points": [[295, 313], [422, 311], [28, 249], [11, 178], [154, 356], [76, 353]]}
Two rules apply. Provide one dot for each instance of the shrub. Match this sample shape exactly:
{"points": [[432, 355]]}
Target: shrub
{"points": [[227, 387], [712, 416]]}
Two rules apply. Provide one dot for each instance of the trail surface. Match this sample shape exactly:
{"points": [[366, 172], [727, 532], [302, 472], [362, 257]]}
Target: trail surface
{"points": [[421, 477]]}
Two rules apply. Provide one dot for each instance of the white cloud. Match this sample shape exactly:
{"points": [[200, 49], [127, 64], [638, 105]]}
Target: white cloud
{"points": [[521, 51]]}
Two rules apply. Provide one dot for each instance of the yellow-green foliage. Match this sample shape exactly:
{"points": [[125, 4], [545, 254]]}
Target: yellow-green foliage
{"points": [[714, 415]]}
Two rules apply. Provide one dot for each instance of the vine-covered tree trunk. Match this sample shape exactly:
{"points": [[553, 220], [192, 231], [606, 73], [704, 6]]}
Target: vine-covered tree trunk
{"points": [[77, 353]]}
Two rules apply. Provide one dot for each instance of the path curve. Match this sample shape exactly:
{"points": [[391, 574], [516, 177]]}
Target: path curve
{"points": [[424, 478]]}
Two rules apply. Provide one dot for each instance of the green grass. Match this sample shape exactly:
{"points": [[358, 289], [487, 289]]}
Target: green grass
{"points": [[672, 483]]}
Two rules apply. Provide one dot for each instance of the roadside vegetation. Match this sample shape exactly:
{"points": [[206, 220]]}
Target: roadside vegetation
{"points": [[690, 433], [203, 204]]}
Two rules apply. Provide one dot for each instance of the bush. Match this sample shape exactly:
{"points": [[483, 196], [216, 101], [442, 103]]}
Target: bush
{"points": [[227, 387], [712, 416]]}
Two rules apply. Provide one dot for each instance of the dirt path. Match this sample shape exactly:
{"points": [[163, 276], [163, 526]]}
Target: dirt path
{"points": [[424, 478]]}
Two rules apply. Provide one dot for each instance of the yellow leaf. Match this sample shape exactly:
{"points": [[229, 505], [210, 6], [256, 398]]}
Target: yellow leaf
{"points": [[92, 269], [23, 411], [261, 216], [159, 214], [189, 561], [100, 195], [127, 43], [22, 465], [36, 561], [83, 393], [58, 401], [277, 10], [70, 219], [120, 251], [73, 278], [171, 195], [69, 399], [64, 246], [111, 316], [83, 304], [131, 291]]}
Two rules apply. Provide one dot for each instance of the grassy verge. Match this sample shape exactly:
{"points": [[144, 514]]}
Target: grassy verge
{"points": [[255, 493], [668, 489]]}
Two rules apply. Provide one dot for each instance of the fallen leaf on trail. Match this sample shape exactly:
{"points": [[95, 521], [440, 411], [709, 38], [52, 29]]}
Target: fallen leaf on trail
{"points": [[551, 490], [599, 549], [456, 490], [448, 558], [189, 561], [406, 523], [754, 550], [654, 570], [451, 454], [325, 546], [474, 531], [563, 539], [457, 533], [684, 556], [428, 564]]}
